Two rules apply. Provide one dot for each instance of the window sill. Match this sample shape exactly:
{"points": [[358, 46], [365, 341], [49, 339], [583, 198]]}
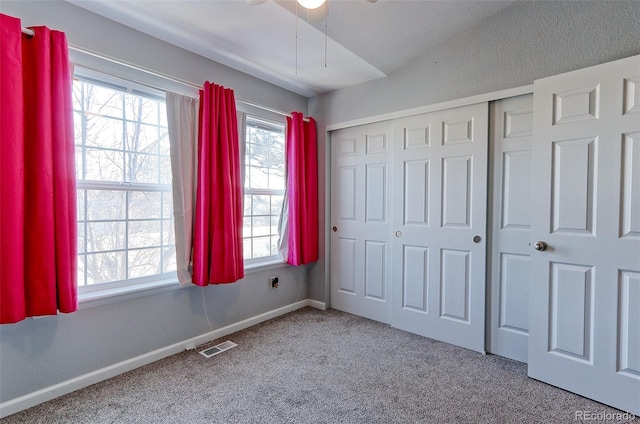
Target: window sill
{"points": [[120, 294], [252, 268]]}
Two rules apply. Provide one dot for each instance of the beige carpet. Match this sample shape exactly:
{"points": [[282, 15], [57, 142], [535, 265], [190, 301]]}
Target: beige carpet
{"points": [[311, 366]]}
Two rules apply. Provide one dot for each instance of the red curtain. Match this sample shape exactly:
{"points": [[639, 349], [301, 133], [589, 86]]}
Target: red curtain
{"points": [[37, 184], [302, 189], [217, 238]]}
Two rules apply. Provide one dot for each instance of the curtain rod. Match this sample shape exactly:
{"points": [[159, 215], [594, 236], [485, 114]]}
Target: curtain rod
{"points": [[172, 79], [31, 33]]}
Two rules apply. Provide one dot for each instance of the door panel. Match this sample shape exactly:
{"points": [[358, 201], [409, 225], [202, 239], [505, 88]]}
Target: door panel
{"points": [[376, 193], [571, 316], [415, 267], [585, 302], [513, 290], [439, 186], [629, 342], [345, 265], [573, 164], [509, 276], [516, 189], [630, 227], [375, 253], [360, 250], [456, 192], [454, 290], [347, 193], [416, 192]]}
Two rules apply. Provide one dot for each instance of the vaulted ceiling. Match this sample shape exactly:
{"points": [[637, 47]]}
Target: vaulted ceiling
{"points": [[355, 41]]}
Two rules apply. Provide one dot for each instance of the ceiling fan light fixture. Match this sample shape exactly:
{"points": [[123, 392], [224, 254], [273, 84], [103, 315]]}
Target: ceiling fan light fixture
{"points": [[311, 4]]}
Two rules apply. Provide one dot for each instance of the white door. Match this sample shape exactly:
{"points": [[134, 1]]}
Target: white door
{"points": [[509, 273], [439, 209], [360, 234], [584, 308]]}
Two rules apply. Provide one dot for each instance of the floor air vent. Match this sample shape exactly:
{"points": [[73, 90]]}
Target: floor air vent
{"points": [[219, 348]]}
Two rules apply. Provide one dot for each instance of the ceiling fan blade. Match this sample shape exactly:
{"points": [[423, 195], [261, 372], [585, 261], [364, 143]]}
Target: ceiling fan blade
{"points": [[255, 2], [372, 1]]}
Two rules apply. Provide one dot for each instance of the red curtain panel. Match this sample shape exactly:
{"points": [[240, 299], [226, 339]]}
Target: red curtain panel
{"points": [[217, 239], [302, 189], [37, 184]]}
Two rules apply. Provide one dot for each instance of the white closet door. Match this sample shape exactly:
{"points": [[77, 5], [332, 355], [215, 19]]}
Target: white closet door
{"points": [[440, 187], [509, 276], [585, 300], [360, 248]]}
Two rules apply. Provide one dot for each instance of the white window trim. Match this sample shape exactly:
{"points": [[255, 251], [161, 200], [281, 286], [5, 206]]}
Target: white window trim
{"points": [[116, 291], [85, 66], [277, 121], [105, 296], [157, 286]]}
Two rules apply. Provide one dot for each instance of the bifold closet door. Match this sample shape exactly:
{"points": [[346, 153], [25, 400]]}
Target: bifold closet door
{"points": [[509, 276], [360, 220], [439, 225], [584, 331]]}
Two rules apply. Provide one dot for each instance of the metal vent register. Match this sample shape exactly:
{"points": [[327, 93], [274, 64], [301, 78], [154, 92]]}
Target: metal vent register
{"points": [[219, 348]]}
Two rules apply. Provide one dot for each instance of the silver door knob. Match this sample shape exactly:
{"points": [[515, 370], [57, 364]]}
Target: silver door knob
{"points": [[540, 245]]}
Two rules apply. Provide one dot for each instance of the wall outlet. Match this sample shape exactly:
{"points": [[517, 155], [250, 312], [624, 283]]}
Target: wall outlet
{"points": [[273, 282]]}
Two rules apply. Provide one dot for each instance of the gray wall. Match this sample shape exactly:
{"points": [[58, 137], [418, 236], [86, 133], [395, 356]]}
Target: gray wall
{"points": [[525, 42], [37, 353]]}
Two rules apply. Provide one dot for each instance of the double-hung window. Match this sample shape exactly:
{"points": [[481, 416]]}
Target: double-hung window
{"points": [[264, 170], [125, 214], [123, 169]]}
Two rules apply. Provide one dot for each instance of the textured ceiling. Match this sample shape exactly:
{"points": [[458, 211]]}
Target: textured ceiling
{"points": [[363, 40]]}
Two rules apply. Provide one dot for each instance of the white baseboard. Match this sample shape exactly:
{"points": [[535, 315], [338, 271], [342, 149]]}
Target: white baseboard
{"points": [[317, 304], [32, 399]]}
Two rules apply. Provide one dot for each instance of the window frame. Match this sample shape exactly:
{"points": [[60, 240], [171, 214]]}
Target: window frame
{"points": [[99, 291], [272, 122], [108, 72]]}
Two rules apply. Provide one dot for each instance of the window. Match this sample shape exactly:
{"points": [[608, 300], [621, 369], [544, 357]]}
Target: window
{"points": [[264, 188], [123, 169]]}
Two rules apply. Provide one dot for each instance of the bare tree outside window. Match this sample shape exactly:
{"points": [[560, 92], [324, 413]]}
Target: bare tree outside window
{"points": [[125, 214], [264, 187]]}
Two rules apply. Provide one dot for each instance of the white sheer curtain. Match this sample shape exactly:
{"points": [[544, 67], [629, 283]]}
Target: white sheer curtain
{"points": [[182, 118], [283, 228], [242, 137]]}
